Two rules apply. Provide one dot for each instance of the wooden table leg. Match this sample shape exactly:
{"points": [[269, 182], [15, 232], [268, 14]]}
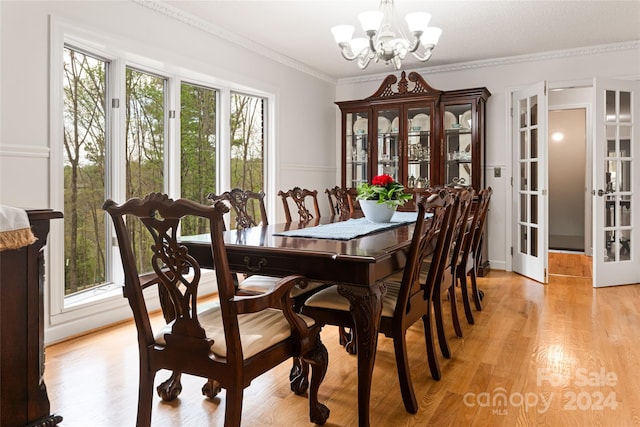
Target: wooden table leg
{"points": [[366, 309]]}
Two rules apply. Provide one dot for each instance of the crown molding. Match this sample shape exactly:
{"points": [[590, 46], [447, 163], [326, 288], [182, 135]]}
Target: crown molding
{"points": [[200, 24], [494, 62]]}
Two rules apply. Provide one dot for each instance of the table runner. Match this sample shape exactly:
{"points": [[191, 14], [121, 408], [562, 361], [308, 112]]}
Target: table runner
{"points": [[352, 228], [15, 229]]}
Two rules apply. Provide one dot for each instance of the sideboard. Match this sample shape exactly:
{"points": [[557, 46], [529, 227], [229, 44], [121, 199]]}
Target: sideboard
{"points": [[23, 394]]}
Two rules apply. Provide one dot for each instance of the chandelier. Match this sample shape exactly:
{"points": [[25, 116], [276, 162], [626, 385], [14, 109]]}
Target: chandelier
{"points": [[385, 39]]}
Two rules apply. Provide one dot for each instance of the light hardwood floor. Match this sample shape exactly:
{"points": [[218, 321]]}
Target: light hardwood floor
{"points": [[562, 354]]}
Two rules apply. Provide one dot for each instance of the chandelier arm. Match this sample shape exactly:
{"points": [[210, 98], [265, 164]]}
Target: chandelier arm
{"points": [[364, 60], [347, 53], [427, 55], [371, 34], [416, 41]]}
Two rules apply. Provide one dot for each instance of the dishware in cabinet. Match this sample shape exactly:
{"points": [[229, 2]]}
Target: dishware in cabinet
{"points": [[419, 145], [355, 148], [388, 142], [463, 134]]}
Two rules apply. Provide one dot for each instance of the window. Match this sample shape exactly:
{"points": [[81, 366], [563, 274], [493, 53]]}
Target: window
{"points": [[198, 135], [144, 147], [247, 146], [85, 137], [129, 128]]}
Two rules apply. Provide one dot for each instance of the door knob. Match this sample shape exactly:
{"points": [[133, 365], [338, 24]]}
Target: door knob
{"points": [[602, 193]]}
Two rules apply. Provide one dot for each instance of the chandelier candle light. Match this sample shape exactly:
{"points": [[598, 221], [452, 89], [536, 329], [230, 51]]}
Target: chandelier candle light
{"points": [[385, 43]]}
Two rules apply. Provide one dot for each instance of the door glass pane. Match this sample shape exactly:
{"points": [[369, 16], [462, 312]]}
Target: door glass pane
{"points": [[610, 176], [419, 147], [534, 241], [534, 110], [388, 142], [625, 211], [534, 209], [523, 113], [610, 106], [625, 107], [625, 141], [624, 245], [610, 211], [534, 143], [611, 140], [533, 185], [610, 246], [523, 176], [523, 207], [523, 239], [523, 144], [625, 175]]}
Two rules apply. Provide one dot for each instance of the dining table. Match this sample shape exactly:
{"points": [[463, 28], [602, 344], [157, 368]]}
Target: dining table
{"points": [[354, 255]]}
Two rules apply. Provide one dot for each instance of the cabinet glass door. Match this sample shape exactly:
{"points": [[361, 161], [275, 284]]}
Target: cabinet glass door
{"points": [[458, 126], [357, 148], [388, 131], [419, 133]]}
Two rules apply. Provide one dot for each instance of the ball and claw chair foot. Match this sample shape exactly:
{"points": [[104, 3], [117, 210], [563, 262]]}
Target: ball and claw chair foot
{"points": [[171, 388], [211, 388]]}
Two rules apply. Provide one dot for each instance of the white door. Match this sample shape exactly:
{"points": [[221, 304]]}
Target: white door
{"points": [[529, 142], [616, 183]]}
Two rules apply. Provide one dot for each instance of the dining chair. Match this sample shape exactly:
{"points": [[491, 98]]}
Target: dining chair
{"points": [[462, 256], [231, 341], [300, 197], [446, 288], [467, 264], [406, 301], [241, 201], [340, 202]]}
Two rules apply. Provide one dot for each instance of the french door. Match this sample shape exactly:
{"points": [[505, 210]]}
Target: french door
{"points": [[616, 183], [529, 142]]}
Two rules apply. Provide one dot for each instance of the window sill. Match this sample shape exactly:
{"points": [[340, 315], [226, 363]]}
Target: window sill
{"points": [[94, 295]]}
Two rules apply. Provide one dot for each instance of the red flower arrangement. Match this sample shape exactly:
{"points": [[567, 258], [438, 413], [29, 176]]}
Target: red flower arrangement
{"points": [[384, 189]]}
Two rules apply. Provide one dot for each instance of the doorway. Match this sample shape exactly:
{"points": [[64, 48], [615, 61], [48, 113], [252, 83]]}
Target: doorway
{"points": [[567, 163]]}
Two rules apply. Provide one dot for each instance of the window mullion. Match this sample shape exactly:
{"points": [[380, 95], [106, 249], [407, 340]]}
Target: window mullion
{"points": [[172, 137], [115, 158]]}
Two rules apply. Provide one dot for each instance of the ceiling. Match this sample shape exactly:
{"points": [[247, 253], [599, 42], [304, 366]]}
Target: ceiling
{"points": [[299, 30]]}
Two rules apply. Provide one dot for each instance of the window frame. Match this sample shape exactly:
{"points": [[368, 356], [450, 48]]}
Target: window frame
{"points": [[104, 304]]}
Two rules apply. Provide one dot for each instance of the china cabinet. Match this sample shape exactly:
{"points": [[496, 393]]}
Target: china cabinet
{"points": [[419, 135]]}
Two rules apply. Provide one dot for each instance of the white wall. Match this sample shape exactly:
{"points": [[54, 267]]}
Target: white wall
{"points": [[501, 78]]}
